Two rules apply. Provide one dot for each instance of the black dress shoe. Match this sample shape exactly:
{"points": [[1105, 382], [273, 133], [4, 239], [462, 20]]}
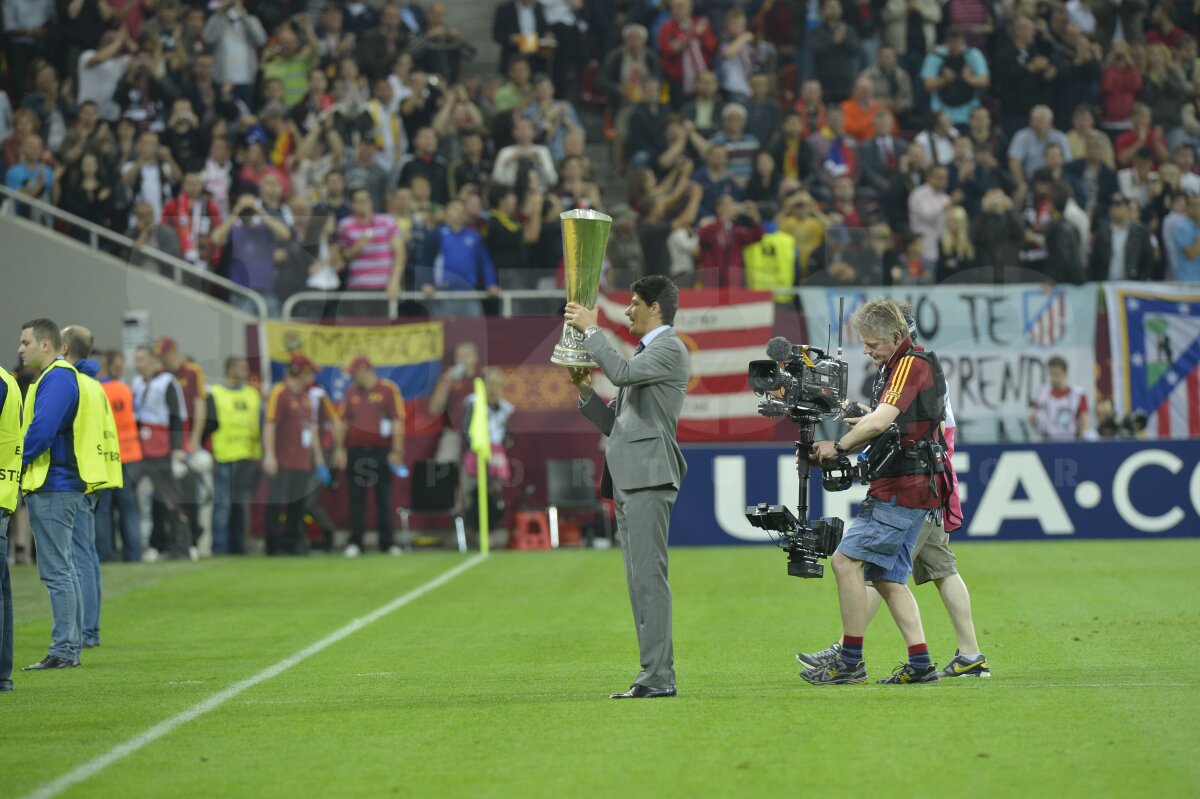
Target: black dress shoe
{"points": [[52, 662], [644, 692]]}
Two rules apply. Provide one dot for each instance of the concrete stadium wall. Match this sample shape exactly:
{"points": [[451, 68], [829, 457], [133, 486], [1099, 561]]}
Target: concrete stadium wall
{"points": [[474, 19], [43, 273]]}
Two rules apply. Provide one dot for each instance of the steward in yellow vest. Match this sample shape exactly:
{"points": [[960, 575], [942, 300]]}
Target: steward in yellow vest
{"points": [[771, 264], [234, 409], [238, 412], [10, 477], [11, 437], [95, 446]]}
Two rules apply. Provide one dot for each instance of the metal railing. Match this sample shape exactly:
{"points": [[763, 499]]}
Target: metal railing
{"points": [[179, 267], [11, 203], [548, 299]]}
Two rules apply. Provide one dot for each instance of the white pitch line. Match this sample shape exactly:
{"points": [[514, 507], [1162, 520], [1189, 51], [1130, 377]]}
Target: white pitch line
{"points": [[98, 764], [992, 685]]}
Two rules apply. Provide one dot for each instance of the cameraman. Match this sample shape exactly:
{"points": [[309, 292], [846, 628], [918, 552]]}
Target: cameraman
{"points": [[879, 544], [933, 560]]}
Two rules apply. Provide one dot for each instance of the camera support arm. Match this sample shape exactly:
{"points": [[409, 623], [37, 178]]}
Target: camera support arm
{"points": [[865, 431], [803, 468]]}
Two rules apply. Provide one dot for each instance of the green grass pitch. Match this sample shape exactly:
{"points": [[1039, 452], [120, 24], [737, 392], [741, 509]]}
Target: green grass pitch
{"points": [[496, 683]]}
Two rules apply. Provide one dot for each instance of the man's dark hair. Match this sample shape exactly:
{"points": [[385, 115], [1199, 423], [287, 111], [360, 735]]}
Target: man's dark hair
{"points": [[231, 360], [656, 288], [1057, 360], [497, 193], [1143, 154], [45, 329], [79, 341], [109, 357], [365, 190]]}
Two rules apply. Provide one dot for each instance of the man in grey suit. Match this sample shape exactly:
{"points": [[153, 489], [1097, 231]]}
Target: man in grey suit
{"points": [[643, 466], [878, 157]]}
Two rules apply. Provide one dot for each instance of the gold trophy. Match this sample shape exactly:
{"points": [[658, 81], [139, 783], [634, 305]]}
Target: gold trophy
{"points": [[585, 237]]}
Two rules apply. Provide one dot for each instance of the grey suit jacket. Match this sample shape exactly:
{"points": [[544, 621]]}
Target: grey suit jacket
{"points": [[873, 172], [641, 421]]}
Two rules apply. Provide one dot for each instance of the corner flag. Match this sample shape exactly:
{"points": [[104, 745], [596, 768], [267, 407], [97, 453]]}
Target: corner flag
{"points": [[481, 444]]}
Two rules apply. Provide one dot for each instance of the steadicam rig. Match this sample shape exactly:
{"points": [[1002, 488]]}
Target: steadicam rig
{"points": [[807, 385]]}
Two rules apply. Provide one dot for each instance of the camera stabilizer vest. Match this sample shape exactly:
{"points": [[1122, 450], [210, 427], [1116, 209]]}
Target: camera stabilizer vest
{"points": [[888, 457]]}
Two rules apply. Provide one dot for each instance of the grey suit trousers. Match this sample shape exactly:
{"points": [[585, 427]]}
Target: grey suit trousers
{"points": [[643, 518]]}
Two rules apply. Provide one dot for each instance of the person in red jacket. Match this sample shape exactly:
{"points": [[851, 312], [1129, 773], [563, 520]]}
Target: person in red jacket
{"points": [[1120, 82], [371, 439], [722, 240], [1143, 134], [193, 216], [687, 46]]}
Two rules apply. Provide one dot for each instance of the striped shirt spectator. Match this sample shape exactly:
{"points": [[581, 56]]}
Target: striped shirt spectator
{"points": [[372, 247]]}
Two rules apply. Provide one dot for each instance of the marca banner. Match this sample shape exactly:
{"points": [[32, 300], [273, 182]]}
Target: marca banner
{"points": [[409, 355], [724, 330], [993, 343], [1104, 489], [1154, 333]]}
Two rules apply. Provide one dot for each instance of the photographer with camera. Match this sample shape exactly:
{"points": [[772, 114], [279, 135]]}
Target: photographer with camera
{"points": [[910, 479]]}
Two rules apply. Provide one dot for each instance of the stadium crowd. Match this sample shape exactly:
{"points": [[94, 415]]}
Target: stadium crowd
{"points": [[324, 145]]}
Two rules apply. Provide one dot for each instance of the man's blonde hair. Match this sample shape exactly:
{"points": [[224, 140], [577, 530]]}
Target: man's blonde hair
{"points": [[880, 318]]}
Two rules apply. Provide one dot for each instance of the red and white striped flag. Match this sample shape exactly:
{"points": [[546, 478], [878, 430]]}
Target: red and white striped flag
{"points": [[723, 329], [1045, 316]]}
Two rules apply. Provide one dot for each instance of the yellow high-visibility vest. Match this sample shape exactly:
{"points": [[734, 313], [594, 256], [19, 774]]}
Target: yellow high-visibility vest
{"points": [[11, 439], [238, 436], [97, 448], [771, 264]]}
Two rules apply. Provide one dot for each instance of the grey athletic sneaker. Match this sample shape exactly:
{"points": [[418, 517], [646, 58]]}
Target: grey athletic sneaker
{"points": [[822, 658], [837, 672]]}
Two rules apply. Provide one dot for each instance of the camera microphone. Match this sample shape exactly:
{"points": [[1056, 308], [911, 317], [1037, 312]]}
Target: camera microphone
{"points": [[779, 349]]}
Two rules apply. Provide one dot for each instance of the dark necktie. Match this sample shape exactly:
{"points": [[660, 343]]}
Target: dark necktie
{"points": [[638, 349]]}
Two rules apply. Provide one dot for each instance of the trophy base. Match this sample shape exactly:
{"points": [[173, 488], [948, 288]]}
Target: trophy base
{"points": [[578, 358], [570, 351]]}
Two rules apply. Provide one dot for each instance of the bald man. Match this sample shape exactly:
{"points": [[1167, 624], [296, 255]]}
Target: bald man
{"points": [[77, 342]]}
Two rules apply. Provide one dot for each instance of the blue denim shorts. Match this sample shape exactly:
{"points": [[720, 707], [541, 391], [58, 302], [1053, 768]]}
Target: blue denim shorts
{"points": [[883, 536]]}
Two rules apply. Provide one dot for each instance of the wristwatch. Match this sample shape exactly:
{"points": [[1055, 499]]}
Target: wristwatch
{"points": [[590, 331], [838, 448]]}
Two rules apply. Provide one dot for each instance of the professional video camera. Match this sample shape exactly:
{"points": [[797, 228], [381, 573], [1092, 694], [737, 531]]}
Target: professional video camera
{"points": [[806, 385], [798, 381]]}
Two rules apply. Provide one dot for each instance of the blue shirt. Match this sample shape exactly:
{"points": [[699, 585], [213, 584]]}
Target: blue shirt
{"points": [[932, 67], [653, 334], [458, 260], [713, 188], [1027, 148], [1184, 235], [52, 428], [3, 394], [19, 175]]}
